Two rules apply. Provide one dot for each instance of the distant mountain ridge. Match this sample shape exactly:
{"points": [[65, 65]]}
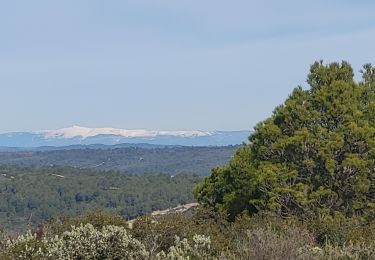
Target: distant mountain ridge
{"points": [[77, 135], [85, 132]]}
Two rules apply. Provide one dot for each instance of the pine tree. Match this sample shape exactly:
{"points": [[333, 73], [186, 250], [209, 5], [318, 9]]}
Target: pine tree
{"points": [[314, 156]]}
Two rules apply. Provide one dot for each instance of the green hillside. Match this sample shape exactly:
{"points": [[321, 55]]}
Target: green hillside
{"points": [[35, 194]]}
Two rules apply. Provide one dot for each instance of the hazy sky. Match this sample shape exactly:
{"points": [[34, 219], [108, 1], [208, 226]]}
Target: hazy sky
{"points": [[207, 65]]}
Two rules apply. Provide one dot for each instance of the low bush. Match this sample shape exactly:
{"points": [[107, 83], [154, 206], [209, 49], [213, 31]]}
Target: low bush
{"points": [[202, 235], [339, 230], [83, 242]]}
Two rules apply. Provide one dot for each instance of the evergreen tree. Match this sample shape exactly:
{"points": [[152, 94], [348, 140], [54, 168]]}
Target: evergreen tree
{"points": [[314, 156]]}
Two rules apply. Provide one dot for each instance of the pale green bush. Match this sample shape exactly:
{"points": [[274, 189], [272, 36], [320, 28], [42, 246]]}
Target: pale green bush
{"points": [[109, 242], [182, 250], [26, 247], [83, 242], [86, 242]]}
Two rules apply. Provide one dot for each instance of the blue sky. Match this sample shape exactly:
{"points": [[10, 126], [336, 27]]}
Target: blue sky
{"points": [[172, 65]]}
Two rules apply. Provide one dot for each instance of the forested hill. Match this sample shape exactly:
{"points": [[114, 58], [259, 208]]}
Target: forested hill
{"points": [[31, 195], [169, 160]]}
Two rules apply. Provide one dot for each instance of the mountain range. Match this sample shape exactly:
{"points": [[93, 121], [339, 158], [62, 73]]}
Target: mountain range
{"points": [[78, 135]]}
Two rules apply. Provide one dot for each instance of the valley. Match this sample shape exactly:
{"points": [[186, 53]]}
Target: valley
{"points": [[170, 160]]}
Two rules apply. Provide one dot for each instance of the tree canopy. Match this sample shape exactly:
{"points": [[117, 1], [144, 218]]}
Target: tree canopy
{"points": [[31, 195], [314, 156]]}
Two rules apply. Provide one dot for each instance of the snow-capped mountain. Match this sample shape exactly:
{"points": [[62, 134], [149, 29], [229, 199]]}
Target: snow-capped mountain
{"points": [[77, 135], [85, 132]]}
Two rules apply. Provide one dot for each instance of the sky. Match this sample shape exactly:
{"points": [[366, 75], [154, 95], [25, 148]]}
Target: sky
{"points": [[167, 64]]}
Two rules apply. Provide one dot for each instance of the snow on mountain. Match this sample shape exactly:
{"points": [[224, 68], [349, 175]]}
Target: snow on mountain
{"points": [[77, 135], [85, 132]]}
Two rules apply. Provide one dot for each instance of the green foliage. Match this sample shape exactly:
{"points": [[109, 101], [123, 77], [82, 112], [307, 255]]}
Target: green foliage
{"points": [[183, 250], [83, 242], [313, 157], [178, 237], [346, 252], [160, 234], [268, 243], [98, 219], [31, 195], [337, 230], [24, 247], [87, 242]]}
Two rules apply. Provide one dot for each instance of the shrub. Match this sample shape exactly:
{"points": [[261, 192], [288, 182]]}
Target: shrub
{"points": [[98, 219], [87, 242], [160, 234], [83, 242], [269, 243], [329, 252], [183, 250], [25, 247], [339, 230]]}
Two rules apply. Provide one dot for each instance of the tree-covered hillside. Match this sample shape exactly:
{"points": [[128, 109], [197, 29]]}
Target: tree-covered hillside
{"points": [[34, 194], [169, 160]]}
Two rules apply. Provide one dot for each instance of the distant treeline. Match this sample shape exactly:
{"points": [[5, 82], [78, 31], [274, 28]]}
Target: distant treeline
{"points": [[169, 160], [30, 195]]}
